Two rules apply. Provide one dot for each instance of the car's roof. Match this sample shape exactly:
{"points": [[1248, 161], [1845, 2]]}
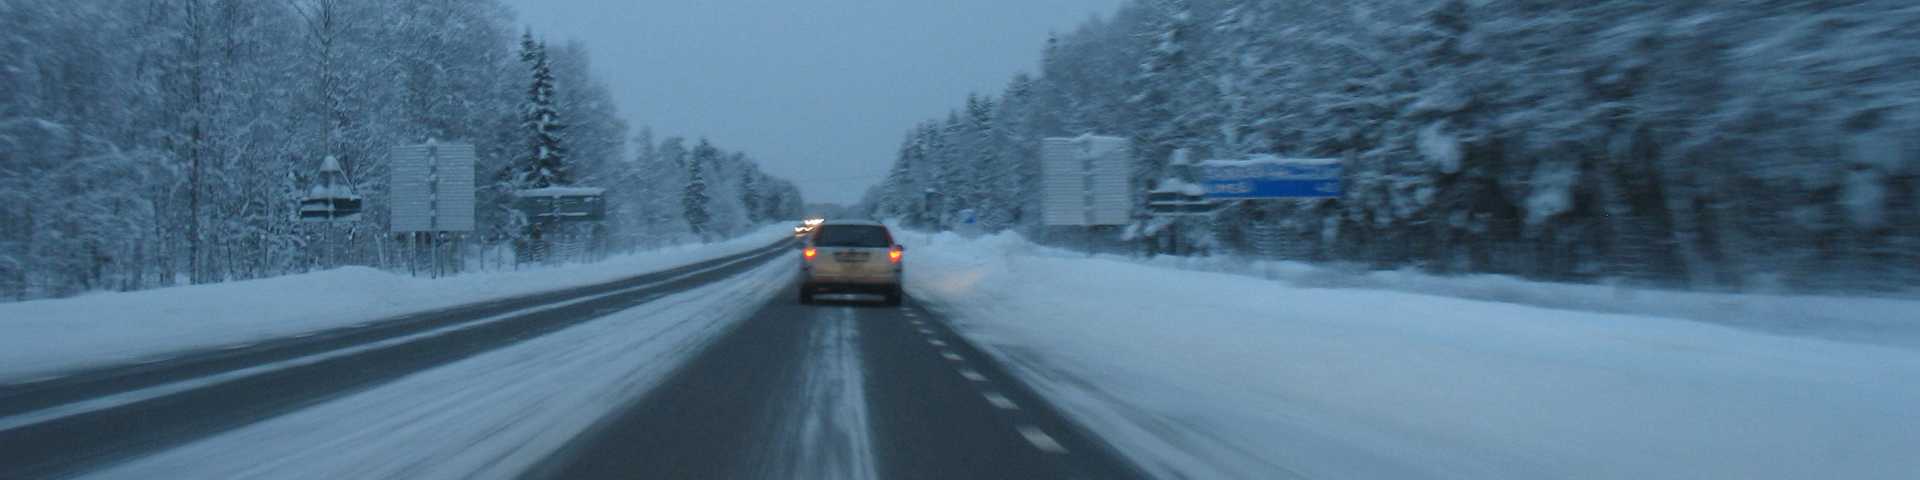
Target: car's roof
{"points": [[869, 223]]}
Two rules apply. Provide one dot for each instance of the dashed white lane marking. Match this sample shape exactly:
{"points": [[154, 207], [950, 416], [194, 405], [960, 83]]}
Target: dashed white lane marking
{"points": [[937, 342], [951, 356], [1000, 401], [1040, 439], [972, 375], [926, 331], [47, 378]]}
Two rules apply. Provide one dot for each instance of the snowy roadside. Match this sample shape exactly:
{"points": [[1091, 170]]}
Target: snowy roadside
{"points": [[1875, 320], [45, 337], [490, 416], [1207, 375]]}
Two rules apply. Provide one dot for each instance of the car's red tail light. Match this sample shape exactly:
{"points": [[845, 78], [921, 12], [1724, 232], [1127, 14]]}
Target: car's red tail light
{"points": [[809, 253], [895, 254]]}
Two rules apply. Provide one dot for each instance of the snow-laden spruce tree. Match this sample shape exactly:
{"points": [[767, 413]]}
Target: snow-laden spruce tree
{"points": [[546, 163], [694, 201]]}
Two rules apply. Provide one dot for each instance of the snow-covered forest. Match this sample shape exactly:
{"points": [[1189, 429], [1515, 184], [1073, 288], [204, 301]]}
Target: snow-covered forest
{"points": [[1765, 144], [147, 143]]}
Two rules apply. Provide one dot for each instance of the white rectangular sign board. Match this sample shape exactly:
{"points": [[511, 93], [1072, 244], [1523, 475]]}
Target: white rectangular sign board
{"points": [[1084, 181], [432, 188]]}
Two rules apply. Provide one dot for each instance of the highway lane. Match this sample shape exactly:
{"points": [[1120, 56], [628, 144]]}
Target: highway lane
{"points": [[839, 390], [852, 390], [89, 420]]}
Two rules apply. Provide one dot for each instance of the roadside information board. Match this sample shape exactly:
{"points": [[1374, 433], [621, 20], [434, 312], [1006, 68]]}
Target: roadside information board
{"points": [[1267, 176], [1085, 181], [432, 188]]}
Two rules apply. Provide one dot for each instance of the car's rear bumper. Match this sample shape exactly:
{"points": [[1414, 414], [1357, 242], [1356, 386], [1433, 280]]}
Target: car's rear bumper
{"points": [[851, 285]]}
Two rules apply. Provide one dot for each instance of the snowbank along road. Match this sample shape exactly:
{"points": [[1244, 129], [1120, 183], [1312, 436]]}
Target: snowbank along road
{"points": [[72, 422]]}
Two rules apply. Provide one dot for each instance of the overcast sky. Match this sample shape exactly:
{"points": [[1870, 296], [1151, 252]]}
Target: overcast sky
{"points": [[819, 91]]}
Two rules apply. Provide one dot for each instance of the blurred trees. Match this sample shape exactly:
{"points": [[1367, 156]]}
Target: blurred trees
{"points": [[149, 142], [1709, 144]]}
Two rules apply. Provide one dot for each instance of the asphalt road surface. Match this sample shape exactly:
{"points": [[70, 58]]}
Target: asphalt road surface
{"points": [[839, 390], [843, 389]]}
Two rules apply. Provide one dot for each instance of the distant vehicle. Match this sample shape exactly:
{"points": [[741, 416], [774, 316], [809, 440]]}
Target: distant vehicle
{"points": [[851, 256]]}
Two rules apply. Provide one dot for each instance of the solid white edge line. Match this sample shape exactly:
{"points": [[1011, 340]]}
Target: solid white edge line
{"points": [[1040, 439]]}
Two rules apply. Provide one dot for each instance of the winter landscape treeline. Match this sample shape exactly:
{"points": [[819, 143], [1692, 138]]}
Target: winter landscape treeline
{"points": [[146, 143], [1764, 144]]}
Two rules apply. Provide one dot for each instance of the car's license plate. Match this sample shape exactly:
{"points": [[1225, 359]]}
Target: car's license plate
{"points": [[851, 257]]}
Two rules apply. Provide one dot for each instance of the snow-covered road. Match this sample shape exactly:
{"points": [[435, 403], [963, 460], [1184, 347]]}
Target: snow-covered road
{"points": [[49, 338], [827, 434], [1186, 374], [490, 416], [1202, 375]]}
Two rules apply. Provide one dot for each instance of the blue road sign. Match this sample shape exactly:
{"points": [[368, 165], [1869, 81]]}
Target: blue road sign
{"points": [[1271, 177]]}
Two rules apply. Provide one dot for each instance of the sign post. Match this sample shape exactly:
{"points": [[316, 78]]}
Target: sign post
{"points": [[432, 190]]}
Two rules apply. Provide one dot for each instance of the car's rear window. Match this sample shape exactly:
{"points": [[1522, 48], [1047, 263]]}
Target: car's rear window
{"points": [[853, 236]]}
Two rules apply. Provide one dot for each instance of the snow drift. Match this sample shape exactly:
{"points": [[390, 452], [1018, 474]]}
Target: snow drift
{"points": [[1207, 375], [45, 337]]}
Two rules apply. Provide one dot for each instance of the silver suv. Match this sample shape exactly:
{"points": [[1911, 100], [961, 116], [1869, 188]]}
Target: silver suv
{"points": [[850, 256]]}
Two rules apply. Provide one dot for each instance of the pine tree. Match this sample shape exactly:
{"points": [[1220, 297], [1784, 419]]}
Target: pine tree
{"points": [[1053, 104], [645, 151], [991, 198], [1017, 127], [955, 174], [694, 202], [546, 163], [898, 197], [750, 195], [1165, 102]]}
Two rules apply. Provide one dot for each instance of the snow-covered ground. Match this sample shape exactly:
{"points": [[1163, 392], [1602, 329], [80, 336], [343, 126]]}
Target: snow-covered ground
{"points": [[45, 337], [1882, 321], [1210, 375], [489, 416]]}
